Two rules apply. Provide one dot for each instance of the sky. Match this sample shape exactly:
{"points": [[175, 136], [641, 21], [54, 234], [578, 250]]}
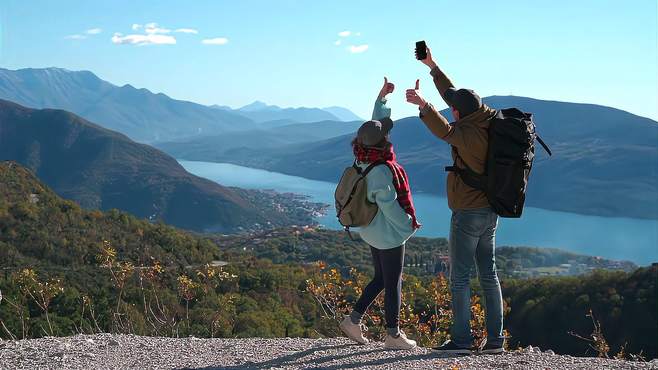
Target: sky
{"points": [[319, 54]]}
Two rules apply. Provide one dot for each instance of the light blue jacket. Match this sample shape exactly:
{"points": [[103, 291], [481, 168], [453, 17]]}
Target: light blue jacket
{"points": [[392, 226]]}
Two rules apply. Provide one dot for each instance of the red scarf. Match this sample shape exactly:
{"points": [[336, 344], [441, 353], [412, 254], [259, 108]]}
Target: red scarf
{"points": [[400, 181]]}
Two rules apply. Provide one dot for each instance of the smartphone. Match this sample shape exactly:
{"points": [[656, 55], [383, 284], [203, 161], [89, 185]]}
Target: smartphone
{"points": [[421, 50]]}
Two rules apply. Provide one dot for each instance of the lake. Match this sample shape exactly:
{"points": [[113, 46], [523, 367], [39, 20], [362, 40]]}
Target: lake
{"points": [[614, 238]]}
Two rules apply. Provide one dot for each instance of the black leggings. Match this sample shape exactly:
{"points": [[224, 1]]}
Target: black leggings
{"points": [[388, 276]]}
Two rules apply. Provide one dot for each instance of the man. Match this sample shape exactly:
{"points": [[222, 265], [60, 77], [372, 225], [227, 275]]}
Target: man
{"points": [[473, 222]]}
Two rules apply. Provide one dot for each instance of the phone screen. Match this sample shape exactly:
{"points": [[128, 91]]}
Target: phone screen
{"points": [[421, 50]]}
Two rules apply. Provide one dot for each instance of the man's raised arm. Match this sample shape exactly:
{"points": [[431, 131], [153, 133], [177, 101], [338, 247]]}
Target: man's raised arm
{"points": [[441, 81]]}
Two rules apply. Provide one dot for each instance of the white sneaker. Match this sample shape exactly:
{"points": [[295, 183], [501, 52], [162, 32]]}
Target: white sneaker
{"points": [[353, 331], [401, 342]]}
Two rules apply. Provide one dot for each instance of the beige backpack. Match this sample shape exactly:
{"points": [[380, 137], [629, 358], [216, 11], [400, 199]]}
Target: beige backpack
{"points": [[353, 208]]}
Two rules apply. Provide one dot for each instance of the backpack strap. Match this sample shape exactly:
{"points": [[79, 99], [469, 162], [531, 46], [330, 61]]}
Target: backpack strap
{"points": [[364, 172], [543, 144], [347, 230], [470, 177]]}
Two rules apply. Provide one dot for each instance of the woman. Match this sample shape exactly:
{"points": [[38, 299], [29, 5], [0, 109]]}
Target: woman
{"points": [[388, 232]]}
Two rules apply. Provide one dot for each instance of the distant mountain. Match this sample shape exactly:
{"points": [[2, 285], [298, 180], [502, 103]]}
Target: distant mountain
{"points": [[261, 112], [102, 169], [257, 106], [269, 115], [138, 113], [605, 160], [271, 136], [343, 114], [217, 106]]}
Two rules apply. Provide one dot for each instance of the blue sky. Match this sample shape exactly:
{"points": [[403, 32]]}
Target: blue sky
{"points": [[285, 52]]}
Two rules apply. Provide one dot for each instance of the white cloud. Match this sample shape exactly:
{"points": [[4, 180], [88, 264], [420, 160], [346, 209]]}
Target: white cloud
{"points": [[187, 30], [344, 33], [151, 34], [337, 42], [355, 49], [148, 39], [75, 37], [84, 35], [357, 34], [215, 41], [153, 29]]}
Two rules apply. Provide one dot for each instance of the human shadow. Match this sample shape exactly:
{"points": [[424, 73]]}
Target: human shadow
{"points": [[400, 356], [317, 362], [277, 362]]}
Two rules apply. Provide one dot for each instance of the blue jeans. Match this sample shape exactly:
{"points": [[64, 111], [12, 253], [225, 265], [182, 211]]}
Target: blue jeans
{"points": [[472, 245]]}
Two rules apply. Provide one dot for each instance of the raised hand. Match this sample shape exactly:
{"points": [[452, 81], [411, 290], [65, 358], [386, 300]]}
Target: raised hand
{"points": [[386, 89], [429, 61], [414, 97]]}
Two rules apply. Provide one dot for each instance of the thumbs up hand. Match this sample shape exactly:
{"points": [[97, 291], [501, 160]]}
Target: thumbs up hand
{"points": [[386, 89], [414, 97]]}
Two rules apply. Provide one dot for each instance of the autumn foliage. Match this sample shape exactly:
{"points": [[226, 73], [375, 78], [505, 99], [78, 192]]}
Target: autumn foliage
{"points": [[425, 314]]}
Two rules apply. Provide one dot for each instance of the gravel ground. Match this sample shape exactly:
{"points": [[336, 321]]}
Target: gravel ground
{"points": [[108, 351]]}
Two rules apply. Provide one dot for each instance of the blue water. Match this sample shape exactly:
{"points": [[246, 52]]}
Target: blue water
{"points": [[615, 238]]}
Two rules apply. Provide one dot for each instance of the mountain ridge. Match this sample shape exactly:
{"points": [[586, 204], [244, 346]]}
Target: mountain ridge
{"points": [[103, 169], [137, 112], [261, 112]]}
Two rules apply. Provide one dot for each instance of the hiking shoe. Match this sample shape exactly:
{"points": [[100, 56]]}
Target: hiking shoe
{"points": [[491, 349], [399, 342], [353, 331], [450, 348]]}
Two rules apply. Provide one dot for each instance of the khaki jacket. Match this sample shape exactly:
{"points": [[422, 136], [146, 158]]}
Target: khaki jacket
{"points": [[469, 139]]}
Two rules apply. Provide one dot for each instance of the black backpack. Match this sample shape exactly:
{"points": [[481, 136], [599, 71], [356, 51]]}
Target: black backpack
{"points": [[510, 155]]}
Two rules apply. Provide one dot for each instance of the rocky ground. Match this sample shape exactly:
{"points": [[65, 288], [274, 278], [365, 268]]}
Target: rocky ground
{"points": [[108, 351]]}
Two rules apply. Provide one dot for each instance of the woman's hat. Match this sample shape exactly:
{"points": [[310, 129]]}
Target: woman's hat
{"points": [[374, 131]]}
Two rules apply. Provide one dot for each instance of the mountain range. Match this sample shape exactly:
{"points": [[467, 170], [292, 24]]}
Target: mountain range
{"points": [[270, 137], [262, 113], [605, 160], [140, 114], [102, 169]]}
